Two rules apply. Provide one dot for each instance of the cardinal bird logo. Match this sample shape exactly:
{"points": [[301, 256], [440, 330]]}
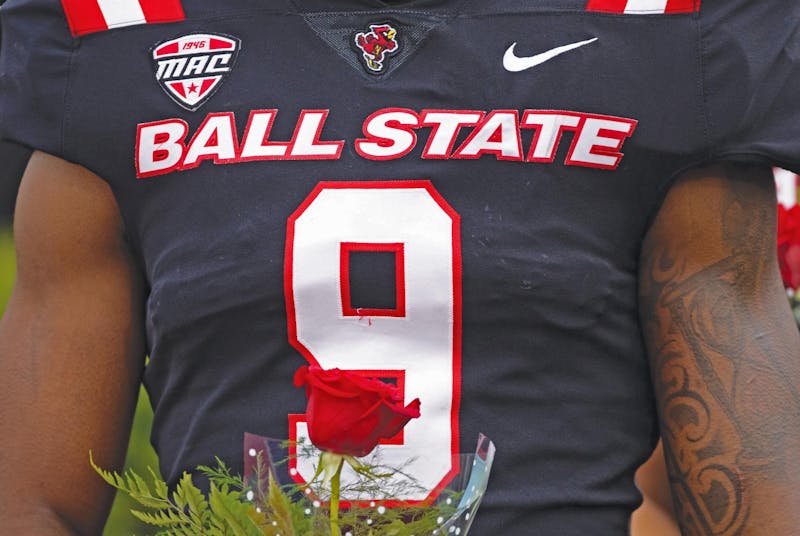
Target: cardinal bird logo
{"points": [[376, 45]]}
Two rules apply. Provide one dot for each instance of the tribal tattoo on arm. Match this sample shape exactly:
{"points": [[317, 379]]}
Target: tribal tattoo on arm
{"points": [[725, 354]]}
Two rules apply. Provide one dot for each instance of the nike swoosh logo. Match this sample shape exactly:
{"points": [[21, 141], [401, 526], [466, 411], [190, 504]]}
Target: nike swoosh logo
{"points": [[515, 64]]}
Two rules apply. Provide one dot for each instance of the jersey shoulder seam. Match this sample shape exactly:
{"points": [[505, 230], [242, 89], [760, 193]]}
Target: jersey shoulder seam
{"points": [[65, 103], [703, 108]]}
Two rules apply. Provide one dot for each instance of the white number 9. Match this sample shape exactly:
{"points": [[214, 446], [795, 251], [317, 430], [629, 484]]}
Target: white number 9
{"points": [[419, 344]]}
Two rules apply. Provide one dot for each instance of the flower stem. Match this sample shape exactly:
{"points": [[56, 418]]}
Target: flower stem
{"points": [[335, 490]]}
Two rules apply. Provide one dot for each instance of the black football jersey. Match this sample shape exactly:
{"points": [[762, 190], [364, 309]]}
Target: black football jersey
{"points": [[449, 194]]}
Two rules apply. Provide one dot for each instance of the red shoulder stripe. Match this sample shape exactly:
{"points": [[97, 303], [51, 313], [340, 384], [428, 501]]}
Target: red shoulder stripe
{"points": [[607, 6], [88, 16], [644, 7], [83, 16], [162, 10], [683, 6]]}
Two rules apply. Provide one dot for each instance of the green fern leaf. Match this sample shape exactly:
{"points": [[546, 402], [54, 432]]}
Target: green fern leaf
{"points": [[141, 485], [130, 484], [221, 475], [159, 486], [111, 478], [189, 498], [141, 492], [280, 507], [218, 528], [226, 505], [159, 518]]}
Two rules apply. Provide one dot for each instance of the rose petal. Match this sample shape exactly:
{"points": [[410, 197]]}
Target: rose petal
{"points": [[349, 413], [301, 376]]}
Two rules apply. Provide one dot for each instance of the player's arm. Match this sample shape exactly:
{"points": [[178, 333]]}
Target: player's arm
{"points": [[656, 515], [71, 353], [725, 354]]}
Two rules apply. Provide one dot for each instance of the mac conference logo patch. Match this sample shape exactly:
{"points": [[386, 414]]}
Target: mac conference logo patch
{"points": [[192, 68]]}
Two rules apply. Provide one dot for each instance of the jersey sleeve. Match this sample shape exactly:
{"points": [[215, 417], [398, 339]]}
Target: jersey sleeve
{"points": [[34, 73], [751, 87]]}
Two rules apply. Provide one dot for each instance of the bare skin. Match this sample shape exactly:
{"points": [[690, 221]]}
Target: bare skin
{"points": [[71, 354], [723, 346], [725, 355], [656, 515]]}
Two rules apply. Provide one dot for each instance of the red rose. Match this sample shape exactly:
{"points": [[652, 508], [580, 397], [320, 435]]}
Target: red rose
{"points": [[348, 414], [789, 245]]}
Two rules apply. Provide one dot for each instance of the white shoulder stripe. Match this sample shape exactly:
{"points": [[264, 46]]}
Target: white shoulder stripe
{"points": [[646, 6], [121, 12]]}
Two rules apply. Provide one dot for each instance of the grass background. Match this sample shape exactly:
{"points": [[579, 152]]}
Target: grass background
{"points": [[140, 453]]}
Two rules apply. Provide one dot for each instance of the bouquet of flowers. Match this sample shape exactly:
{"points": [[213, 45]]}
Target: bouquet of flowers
{"points": [[353, 491]]}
